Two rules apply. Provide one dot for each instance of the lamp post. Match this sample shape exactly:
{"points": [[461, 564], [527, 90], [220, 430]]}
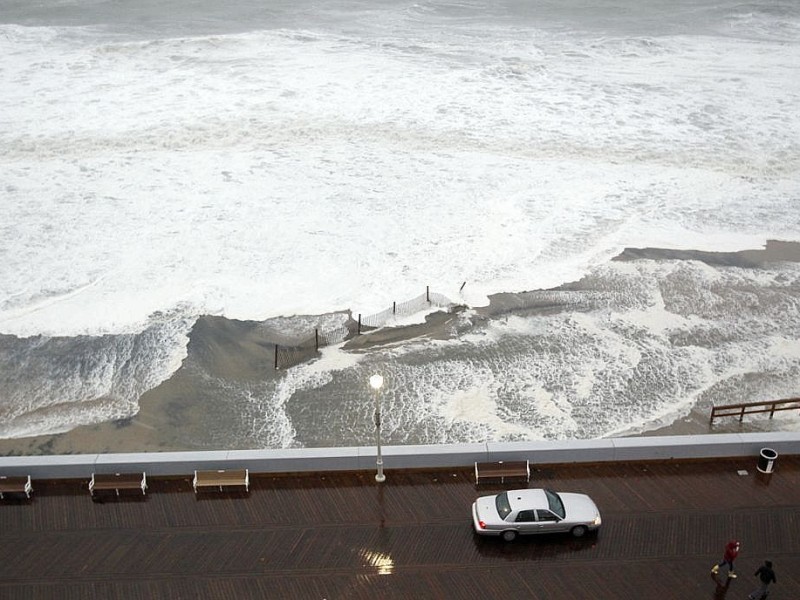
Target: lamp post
{"points": [[376, 382]]}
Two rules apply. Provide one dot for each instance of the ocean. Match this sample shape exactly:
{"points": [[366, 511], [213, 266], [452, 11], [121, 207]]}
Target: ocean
{"points": [[164, 164]]}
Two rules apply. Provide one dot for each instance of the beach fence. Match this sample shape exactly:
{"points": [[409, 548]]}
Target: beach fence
{"points": [[409, 307], [293, 351]]}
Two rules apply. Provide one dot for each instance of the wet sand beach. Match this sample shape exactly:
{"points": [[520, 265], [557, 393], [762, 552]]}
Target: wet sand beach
{"points": [[224, 394]]}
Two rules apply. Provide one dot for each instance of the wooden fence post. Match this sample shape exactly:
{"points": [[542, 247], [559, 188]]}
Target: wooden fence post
{"points": [[359, 323], [316, 340], [427, 293], [276, 357]]}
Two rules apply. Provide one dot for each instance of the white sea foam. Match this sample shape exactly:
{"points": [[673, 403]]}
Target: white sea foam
{"points": [[50, 385], [256, 163], [643, 344], [286, 171]]}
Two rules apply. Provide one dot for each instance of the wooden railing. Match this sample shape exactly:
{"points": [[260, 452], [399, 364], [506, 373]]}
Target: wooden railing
{"points": [[751, 408]]}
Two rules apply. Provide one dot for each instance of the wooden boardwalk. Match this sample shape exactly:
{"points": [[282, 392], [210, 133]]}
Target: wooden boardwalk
{"points": [[342, 536]]}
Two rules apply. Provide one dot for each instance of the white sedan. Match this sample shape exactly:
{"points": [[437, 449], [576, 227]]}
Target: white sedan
{"points": [[525, 512]]}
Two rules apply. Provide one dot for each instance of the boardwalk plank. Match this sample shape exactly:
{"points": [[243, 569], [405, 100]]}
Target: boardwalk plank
{"points": [[340, 535]]}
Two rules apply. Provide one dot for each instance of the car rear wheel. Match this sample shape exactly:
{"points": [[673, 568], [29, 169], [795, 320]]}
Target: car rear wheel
{"points": [[578, 531], [509, 536]]}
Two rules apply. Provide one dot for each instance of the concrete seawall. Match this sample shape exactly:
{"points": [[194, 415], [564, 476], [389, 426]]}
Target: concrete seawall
{"points": [[406, 457]]}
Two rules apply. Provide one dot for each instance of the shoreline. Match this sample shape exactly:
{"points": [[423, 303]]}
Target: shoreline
{"points": [[183, 413]]}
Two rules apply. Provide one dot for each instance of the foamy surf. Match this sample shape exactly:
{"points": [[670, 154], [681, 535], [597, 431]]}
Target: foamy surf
{"points": [[53, 384], [633, 346], [255, 163]]}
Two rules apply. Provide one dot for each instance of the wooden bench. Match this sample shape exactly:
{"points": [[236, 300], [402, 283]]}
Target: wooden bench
{"points": [[502, 470], [117, 482], [15, 485], [222, 479]]}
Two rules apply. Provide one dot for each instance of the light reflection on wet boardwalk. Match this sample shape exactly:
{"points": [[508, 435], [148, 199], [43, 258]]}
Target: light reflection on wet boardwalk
{"points": [[340, 535]]}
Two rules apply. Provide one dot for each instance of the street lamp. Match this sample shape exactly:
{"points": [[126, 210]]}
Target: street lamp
{"points": [[376, 382]]}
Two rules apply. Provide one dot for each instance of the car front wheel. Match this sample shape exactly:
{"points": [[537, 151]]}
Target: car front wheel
{"points": [[578, 531], [509, 536]]}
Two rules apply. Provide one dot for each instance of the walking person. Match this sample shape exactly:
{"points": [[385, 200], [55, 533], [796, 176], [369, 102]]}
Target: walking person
{"points": [[731, 552], [767, 576]]}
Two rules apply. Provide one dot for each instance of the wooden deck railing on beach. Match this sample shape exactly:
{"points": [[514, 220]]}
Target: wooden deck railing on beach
{"points": [[751, 408]]}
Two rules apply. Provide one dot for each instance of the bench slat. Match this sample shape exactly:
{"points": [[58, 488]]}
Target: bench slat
{"points": [[221, 478], [15, 485], [502, 470], [118, 481]]}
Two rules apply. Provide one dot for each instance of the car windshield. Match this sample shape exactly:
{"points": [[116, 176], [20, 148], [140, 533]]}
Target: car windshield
{"points": [[555, 503], [503, 507]]}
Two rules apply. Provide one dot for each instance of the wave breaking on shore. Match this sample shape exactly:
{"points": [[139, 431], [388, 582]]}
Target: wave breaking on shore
{"points": [[641, 343]]}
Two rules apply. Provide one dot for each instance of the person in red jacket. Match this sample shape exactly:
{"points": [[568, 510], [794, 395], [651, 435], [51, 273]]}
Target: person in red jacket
{"points": [[731, 552]]}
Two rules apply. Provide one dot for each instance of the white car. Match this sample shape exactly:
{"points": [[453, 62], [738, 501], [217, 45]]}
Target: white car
{"points": [[525, 512]]}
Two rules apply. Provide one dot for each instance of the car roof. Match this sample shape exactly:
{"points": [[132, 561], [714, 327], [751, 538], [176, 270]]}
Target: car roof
{"points": [[527, 499]]}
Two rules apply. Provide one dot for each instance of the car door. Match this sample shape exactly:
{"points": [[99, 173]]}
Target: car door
{"points": [[526, 522], [548, 521]]}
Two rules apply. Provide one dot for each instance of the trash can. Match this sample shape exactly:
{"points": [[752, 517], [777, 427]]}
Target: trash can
{"points": [[766, 460]]}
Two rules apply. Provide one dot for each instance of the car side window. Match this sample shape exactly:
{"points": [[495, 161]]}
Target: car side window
{"points": [[526, 516], [546, 515]]}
